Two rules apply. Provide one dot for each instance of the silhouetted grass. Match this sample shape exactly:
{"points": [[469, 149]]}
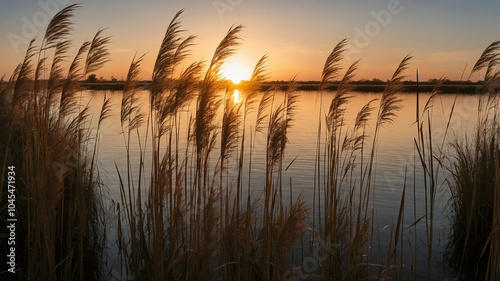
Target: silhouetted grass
{"points": [[184, 212], [474, 182], [60, 232], [186, 222]]}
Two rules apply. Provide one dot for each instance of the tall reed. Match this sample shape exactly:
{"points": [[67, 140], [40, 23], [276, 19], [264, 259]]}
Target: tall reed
{"points": [[431, 159], [49, 141], [344, 217], [473, 180]]}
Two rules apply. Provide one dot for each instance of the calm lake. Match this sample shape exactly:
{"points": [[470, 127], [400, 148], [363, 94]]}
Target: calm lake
{"points": [[395, 157]]}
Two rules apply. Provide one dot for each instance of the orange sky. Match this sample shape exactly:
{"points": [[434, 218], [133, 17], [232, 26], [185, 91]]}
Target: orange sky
{"points": [[297, 35]]}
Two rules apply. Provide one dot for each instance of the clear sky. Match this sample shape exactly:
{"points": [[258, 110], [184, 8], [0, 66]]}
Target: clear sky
{"points": [[443, 36]]}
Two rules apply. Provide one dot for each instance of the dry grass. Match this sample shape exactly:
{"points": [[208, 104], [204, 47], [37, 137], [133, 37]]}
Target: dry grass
{"points": [[183, 214], [186, 218], [474, 176], [59, 211]]}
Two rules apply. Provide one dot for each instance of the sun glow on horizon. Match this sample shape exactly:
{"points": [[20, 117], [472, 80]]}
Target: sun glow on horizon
{"points": [[236, 72]]}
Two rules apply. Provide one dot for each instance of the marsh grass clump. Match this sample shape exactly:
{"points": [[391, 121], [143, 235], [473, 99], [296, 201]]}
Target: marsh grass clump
{"points": [[190, 221], [345, 230], [60, 230], [474, 183]]}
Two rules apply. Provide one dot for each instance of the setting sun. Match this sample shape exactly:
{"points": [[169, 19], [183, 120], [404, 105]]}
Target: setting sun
{"points": [[236, 72]]}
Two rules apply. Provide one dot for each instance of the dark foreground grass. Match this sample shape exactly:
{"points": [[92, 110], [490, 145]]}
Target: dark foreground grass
{"points": [[48, 149], [474, 182]]}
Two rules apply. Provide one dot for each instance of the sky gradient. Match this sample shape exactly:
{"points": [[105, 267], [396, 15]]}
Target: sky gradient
{"points": [[297, 35]]}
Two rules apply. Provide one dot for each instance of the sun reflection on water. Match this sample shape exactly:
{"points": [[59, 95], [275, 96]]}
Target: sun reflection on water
{"points": [[236, 97]]}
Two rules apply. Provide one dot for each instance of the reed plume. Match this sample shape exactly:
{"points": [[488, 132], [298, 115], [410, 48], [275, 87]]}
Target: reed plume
{"points": [[186, 86], [130, 115], [264, 103], [105, 111], [390, 103], [60, 27], [208, 101], [363, 117], [55, 81], [67, 103], [250, 91], [280, 121], [167, 58], [231, 122], [491, 53], [39, 70], [181, 92], [98, 53], [23, 73], [332, 65], [336, 111]]}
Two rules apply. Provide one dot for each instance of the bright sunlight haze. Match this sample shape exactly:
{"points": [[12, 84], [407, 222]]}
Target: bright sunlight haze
{"points": [[236, 72]]}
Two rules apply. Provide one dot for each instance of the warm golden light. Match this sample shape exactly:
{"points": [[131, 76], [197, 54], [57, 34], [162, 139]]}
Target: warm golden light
{"points": [[236, 72]]}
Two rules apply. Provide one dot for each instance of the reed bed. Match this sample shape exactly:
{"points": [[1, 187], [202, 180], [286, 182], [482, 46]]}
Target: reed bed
{"points": [[186, 222], [474, 178], [188, 209], [60, 230]]}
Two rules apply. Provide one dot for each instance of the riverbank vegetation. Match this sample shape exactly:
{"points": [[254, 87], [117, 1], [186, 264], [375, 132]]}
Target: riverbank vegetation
{"points": [[188, 209]]}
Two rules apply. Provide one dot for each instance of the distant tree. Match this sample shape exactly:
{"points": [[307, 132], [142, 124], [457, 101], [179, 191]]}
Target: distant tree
{"points": [[113, 79], [92, 78]]}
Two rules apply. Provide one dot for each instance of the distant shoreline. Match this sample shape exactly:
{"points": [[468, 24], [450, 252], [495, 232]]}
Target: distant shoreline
{"points": [[457, 87]]}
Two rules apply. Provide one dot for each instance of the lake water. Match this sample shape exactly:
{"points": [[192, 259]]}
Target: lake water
{"points": [[395, 155]]}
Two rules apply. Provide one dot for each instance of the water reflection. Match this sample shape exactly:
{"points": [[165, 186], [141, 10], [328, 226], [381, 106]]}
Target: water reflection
{"points": [[237, 97], [395, 154]]}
